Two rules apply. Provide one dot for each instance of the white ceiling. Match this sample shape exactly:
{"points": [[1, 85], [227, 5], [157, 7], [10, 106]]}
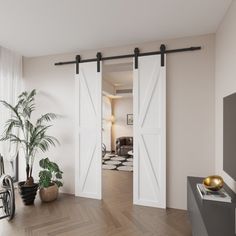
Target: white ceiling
{"points": [[43, 27], [119, 79], [118, 75]]}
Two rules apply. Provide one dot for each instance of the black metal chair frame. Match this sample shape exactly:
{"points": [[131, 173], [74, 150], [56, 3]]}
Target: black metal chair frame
{"points": [[7, 194]]}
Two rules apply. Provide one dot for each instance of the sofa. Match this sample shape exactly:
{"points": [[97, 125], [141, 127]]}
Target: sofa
{"points": [[124, 145]]}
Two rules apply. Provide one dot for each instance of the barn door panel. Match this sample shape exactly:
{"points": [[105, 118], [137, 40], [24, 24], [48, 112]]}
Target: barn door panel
{"points": [[150, 132], [88, 131]]}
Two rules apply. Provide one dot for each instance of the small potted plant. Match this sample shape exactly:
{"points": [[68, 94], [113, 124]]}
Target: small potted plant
{"points": [[49, 180], [30, 135]]}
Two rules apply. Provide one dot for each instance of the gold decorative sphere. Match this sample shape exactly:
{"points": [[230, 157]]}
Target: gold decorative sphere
{"points": [[213, 182]]}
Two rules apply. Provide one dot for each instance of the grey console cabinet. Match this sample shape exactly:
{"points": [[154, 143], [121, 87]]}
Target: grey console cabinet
{"points": [[210, 218]]}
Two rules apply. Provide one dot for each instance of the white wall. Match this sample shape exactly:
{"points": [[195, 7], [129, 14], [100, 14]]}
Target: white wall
{"points": [[225, 83], [190, 108], [120, 108]]}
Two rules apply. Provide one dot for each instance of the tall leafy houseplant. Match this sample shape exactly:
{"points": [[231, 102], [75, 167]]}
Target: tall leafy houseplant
{"points": [[32, 136]]}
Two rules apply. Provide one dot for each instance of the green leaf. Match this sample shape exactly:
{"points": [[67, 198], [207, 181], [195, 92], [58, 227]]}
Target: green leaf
{"points": [[45, 178], [58, 183], [58, 175], [12, 109], [22, 95], [32, 93], [43, 163], [46, 117]]}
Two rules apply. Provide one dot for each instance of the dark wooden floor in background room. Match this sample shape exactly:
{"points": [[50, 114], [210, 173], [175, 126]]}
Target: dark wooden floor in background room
{"points": [[113, 216]]}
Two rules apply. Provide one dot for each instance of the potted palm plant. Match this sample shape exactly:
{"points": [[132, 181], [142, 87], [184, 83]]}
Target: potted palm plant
{"points": [[49, 180], [30, 136]]}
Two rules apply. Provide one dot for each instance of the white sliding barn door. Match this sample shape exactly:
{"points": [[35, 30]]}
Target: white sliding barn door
{"points": [[150, 132], [88, 131]]}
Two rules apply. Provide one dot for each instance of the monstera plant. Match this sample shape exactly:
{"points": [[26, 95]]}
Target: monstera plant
{"points": [[31, 136], [50, 179]]}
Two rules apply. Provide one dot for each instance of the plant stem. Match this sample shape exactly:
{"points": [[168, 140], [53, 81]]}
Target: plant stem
{"points": [[27, 171]]}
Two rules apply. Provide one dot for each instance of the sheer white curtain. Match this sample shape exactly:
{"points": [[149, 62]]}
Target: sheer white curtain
{"points": [[10, 87]]}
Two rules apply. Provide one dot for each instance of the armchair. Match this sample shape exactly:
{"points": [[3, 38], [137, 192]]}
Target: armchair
{"points": [[124, 145]]}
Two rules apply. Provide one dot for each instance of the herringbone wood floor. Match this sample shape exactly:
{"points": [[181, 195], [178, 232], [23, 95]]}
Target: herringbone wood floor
{"points": [[114, 215]]}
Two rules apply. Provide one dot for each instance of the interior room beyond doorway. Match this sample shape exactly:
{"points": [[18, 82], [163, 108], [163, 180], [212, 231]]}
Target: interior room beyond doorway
{"points": [[117, 120], [117, 132]]}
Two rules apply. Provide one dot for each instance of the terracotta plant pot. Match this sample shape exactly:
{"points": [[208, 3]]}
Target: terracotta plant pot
{"points": [[27, 193], [49, 194]]}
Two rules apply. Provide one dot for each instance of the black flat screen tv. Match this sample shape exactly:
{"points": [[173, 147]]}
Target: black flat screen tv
{"points": [[229, 135]]}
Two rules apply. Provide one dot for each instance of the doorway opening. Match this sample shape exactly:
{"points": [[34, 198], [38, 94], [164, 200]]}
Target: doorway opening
{"points": [[117, 132]]}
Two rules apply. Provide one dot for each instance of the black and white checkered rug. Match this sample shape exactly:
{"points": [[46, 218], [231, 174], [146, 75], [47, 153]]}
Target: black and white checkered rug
{"points": [[115, 162]]}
